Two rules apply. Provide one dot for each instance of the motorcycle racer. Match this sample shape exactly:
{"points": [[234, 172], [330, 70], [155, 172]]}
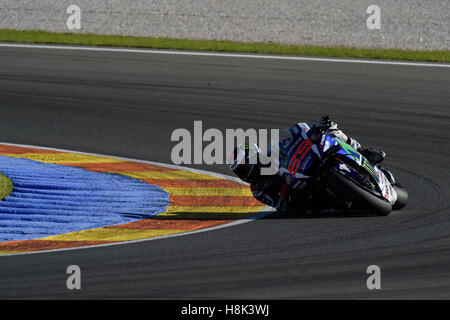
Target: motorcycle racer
{"points": [[274, 190]]}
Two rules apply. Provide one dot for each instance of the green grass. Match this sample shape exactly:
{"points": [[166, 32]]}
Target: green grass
{"points": [[6, 186], [27, 36]]}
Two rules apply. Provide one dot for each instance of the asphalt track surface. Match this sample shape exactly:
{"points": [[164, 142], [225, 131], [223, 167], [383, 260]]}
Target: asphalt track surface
{"points": [[128, 104]]}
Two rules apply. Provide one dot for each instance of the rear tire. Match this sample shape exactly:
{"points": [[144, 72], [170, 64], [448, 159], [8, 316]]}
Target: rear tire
{"points": [[402, 197], [346, 188]]}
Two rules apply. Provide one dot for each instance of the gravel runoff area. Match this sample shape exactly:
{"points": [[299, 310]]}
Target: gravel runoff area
{"points": [[409, 24]]}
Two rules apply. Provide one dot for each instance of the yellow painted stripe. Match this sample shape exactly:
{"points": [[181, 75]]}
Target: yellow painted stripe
{"points": [[209, 216], [111, 234], [9, 252], [206, 209], [176, 174], [63, 158], [208, 191]]}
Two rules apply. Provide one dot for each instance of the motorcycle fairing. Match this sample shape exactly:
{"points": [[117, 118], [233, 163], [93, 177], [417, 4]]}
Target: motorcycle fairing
{"points": [[301, 155]]}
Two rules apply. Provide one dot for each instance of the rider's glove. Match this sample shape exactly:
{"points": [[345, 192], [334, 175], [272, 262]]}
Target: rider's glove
{"points": [[322, 124]]}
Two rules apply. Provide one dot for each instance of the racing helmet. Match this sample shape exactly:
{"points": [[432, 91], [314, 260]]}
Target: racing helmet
{"points": [[245, 161]]}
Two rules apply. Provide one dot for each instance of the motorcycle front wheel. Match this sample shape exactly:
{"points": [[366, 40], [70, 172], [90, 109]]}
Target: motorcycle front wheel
{"points": [[346, 188]]}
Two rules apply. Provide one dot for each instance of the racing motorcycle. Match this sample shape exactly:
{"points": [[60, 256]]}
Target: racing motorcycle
{"points": [[342, 176]]}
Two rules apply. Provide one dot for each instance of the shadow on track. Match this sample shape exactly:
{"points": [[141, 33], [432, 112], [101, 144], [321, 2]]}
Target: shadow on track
{"points": [[221, 216], [322, 215]]}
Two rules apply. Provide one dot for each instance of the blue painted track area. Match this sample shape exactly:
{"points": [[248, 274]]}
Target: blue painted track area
{"points": [[51, 199]]}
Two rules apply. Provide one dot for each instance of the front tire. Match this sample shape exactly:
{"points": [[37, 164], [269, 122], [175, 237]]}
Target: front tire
{"points": [[402, 197], [348, 189]]}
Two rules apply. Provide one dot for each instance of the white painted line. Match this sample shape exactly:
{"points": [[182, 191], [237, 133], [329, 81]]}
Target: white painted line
{"points": [[227, 55], [267, 210]]}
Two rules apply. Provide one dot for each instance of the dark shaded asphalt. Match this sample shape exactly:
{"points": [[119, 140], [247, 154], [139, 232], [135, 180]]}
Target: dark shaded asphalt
{"points": [[127, 104]]}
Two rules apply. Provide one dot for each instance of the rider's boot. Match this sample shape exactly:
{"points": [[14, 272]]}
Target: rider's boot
{"points": [[374, 156]]}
